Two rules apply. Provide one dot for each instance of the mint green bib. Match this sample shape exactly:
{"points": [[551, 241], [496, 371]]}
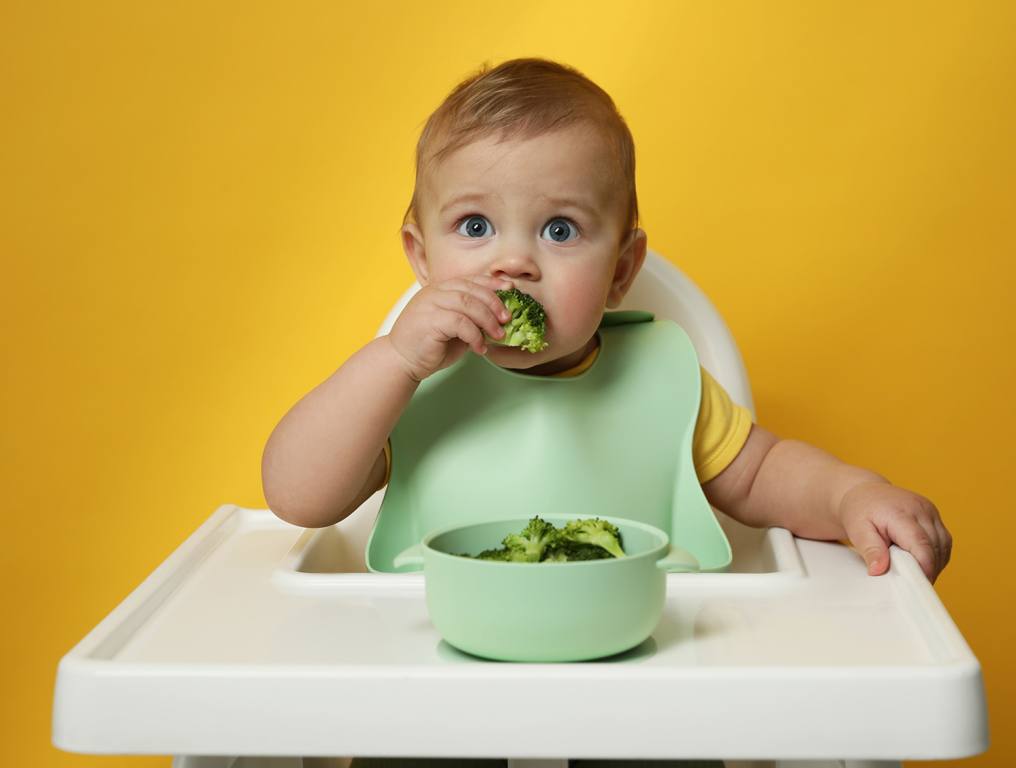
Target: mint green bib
{"points": [[478, 442]]}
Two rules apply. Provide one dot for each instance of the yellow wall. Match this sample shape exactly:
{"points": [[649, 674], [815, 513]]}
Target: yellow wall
{"points": [[199, 217]]}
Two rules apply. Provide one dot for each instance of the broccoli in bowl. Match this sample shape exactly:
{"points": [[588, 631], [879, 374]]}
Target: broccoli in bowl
{"points": [[542, 542]]}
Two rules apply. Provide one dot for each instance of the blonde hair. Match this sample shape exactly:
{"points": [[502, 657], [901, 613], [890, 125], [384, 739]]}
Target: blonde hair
{"points": [[524, 98]]}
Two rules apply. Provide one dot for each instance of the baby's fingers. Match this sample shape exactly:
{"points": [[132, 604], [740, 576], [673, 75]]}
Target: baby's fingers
{"points": [[946, 539], [484, 288], [870, 544], [939, 538], [483, 309], [909, 534], [455, 326]]}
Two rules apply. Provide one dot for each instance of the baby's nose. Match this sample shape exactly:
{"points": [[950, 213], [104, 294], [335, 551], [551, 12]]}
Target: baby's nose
{"points": [[513, 267]]}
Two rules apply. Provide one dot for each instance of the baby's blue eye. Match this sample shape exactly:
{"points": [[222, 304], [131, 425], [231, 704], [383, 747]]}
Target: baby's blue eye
{"points": [[476, 226], [560, 230]]}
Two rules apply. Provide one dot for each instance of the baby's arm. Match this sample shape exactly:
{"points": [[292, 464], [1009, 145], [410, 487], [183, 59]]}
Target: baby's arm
{"points": [[326, 455], [323, 457], [794, 485]]}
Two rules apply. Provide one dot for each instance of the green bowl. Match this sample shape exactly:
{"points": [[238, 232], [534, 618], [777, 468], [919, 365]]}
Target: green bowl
{"points": [[545, 612]]}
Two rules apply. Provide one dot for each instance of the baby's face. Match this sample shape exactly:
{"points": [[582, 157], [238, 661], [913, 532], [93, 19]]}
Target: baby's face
{"points": [[545, 213]]}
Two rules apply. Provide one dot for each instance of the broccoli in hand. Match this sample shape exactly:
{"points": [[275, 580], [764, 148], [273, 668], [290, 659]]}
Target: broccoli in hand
{"points": [[528, 323]]}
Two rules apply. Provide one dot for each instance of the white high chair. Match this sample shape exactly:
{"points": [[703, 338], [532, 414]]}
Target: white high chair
{"points": [[257, 640]]}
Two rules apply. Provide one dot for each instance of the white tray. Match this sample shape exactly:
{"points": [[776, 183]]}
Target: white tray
{"points": [[253, 638]]}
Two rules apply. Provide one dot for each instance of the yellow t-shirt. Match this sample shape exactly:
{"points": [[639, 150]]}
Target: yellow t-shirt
{"points": [[721, 428]]}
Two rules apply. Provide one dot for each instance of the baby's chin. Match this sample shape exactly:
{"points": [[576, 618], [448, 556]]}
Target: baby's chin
{"points": [[516, 358], [543, 363]]}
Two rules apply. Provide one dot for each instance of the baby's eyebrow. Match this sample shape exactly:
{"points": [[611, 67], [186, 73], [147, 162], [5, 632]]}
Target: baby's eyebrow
{"points": [[468, 197], [478, 197], [588, 208]]}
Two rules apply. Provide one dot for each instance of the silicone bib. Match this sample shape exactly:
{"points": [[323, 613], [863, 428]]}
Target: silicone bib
{"points": [[478, 442]]}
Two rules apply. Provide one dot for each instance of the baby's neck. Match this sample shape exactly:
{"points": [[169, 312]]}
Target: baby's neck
{"points": [[563, 363]]}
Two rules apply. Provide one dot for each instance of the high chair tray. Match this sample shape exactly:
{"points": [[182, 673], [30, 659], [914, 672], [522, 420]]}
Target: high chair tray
{"points": [[253, 638]]}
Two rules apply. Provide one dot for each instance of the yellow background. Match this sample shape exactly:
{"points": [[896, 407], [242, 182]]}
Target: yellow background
{"points": [[198, 224]]}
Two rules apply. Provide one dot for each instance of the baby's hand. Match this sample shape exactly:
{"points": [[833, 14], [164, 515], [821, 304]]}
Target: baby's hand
{"points": [[877, 514], [444, 319]]}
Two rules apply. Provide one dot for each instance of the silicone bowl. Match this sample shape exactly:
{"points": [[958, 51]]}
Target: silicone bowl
{"points": [[545, 612]]}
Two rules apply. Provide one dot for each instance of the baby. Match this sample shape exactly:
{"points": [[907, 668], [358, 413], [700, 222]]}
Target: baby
{"points": [[526, 179]]}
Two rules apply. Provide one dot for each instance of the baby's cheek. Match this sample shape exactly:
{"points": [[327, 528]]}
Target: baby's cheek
{"points": [[580, 308]]}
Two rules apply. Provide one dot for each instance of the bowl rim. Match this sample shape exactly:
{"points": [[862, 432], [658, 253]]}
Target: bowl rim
{"points": [[654, 553]]}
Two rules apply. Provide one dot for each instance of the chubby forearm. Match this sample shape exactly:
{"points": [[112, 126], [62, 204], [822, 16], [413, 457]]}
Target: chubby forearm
{"points": [[800, 487], [320, 454]]}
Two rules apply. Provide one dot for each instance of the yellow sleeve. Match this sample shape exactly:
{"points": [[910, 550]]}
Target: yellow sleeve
{"points": [[720, 431], [388, 461]]}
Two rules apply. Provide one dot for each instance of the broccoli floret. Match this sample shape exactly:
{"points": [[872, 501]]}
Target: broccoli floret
{"points": [[597, 532], [529, 546], [540, 541], [564, 550], [493, 554], [528, 323]]}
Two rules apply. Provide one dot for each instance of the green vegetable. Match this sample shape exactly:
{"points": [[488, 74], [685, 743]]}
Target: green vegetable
{"points": [[493, 554], [564, 551], [597, 532], [528, 546], [541, 542], [528, 323]]}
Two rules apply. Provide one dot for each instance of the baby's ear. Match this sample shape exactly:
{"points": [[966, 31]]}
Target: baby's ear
{"points": [[412, 244], [629, 262]]}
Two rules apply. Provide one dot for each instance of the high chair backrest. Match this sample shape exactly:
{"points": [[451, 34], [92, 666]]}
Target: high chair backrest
{"points": [[661, 288]]}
